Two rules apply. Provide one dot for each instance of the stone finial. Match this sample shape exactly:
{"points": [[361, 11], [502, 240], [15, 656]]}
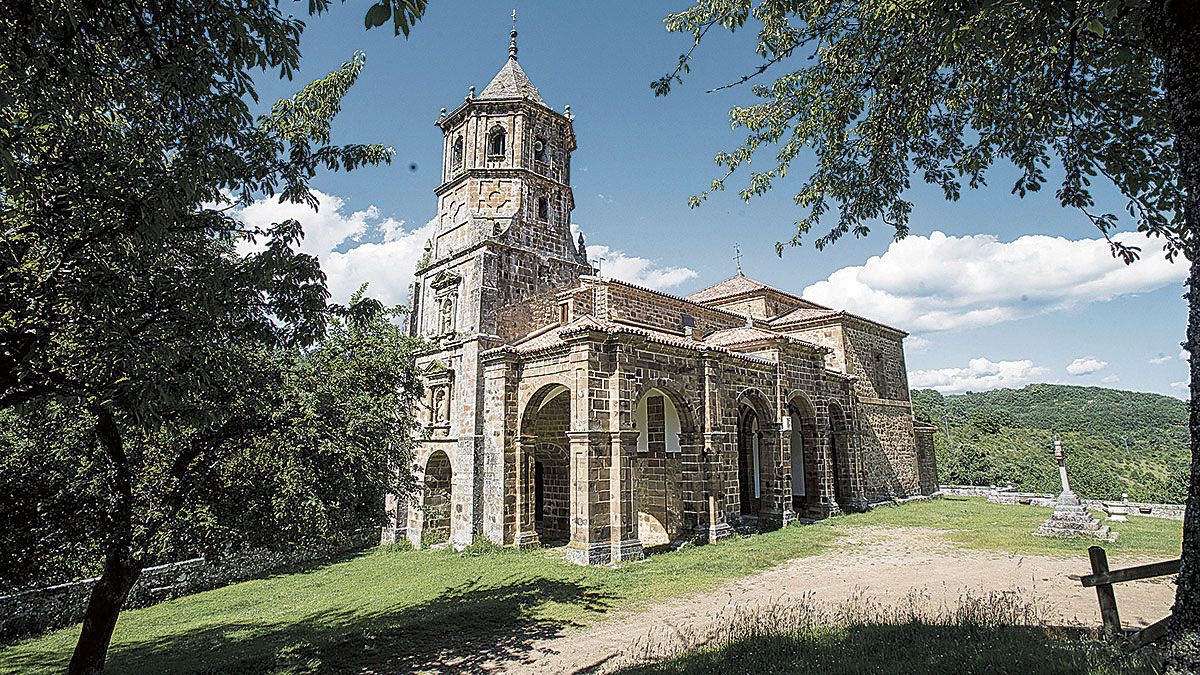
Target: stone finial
{"points": [[567, 113], [581, 246], [471, 92]]}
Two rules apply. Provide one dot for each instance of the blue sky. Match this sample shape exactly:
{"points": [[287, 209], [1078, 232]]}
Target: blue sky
{"points": [[987, 305]]}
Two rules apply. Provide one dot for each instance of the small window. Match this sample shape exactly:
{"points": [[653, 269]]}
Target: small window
{"points": [[496, 143], [541, 151], [543, 208], [564, 312], [456, 153]]}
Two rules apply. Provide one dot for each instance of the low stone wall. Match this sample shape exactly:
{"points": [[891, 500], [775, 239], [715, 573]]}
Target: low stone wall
{"points": [[42, 609], [1008, 495]]}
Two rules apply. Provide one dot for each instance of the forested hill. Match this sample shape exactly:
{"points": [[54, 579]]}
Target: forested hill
{"points": [[1117, 441]]}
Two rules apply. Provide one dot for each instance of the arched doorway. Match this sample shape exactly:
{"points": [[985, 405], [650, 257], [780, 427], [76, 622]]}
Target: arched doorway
{"points": [[547, 484], [659, 467], [438, 498], [750, 460], [803, 441]]}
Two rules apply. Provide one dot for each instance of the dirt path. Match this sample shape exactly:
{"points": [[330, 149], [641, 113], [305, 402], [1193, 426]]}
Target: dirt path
{"points": [[881, 564]]}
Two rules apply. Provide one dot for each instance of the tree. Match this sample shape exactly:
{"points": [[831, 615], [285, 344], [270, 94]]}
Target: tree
{"points": [[340, 420], [127, 145], [882, 92]]}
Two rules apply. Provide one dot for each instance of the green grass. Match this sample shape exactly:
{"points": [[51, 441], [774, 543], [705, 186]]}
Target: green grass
{"points": [[393, 609], [974, 523]]}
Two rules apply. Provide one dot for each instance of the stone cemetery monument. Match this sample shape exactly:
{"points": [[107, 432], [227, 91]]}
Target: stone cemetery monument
{"points": [[1070, 518]]}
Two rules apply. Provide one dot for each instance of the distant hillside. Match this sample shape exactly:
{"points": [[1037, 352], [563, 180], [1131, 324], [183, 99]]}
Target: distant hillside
{"points": [[1116, 441]]}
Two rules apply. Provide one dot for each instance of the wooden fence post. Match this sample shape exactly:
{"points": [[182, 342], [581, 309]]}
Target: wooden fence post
{"points": [[1104, 592]]}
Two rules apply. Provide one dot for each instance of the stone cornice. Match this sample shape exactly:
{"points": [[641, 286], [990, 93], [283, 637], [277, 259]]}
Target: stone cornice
{"points": [[500, 172]]}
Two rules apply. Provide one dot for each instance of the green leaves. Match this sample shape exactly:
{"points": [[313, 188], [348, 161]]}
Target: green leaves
{"points": [[403, 13], [872, 93]]}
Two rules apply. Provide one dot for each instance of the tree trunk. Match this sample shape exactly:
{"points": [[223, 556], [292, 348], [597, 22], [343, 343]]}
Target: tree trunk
{"points": [[108, 596], [1180, 51], [121, 567]]}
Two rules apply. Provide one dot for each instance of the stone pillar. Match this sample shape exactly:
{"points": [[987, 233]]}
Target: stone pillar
{"points": [[718, 522], [695, 497], [826, 499], [396, 509], [525, 531], [783, 474], [591, 524], [623, 508]]}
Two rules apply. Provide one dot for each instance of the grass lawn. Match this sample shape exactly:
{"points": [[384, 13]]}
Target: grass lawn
{"points": [[393, 609], [971, 522]]}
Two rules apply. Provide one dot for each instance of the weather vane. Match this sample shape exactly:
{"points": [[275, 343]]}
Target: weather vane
{"points": [[737, 257]]}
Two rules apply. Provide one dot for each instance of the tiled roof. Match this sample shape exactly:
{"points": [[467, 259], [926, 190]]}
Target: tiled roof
{"points": [[728, 288], [731, 337], [557, 336], [804, 313], [813, 313], [512, 82]]}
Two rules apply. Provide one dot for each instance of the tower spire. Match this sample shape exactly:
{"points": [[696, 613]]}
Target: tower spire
{"points": [[512, 43]]}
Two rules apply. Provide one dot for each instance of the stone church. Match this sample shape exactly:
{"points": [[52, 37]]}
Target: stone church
{"points": [[566, 408]]}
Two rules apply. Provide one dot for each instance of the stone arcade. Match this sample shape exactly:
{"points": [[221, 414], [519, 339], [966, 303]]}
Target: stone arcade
{"points": [[566, 408]]}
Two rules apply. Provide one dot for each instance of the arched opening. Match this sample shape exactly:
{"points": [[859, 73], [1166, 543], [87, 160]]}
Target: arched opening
{"points": [[839, 454], [541, 150], [750, 460], [496, 143], [438, 498], [804, 443], [659, 468], [456, 153], [544, 434], [543, 208]]}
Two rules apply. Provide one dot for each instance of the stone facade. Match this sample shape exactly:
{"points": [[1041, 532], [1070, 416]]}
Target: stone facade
{"points": [[568, 408]]}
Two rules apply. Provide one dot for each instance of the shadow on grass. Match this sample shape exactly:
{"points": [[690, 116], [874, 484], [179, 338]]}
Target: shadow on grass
{"points": [[910, 648], [462, 630]]}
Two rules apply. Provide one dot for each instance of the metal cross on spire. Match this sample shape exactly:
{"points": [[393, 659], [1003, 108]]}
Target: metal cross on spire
{"points": [[512, 43], [737, 258]]}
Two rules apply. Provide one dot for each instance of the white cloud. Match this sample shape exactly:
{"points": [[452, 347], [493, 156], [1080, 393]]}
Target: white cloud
{"points": [[1184, 355], [356, 248], [941, 282], [364, 247], [1110, 379], [634, 269], [1161, 359], [981, 374], [917, 344], [1086, 365], [1179, 385]]}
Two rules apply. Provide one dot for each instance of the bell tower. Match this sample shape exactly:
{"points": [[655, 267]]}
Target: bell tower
{"points": [[504, 208]]}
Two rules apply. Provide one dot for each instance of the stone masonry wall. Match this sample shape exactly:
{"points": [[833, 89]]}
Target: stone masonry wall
{"points": [[661, 311]]}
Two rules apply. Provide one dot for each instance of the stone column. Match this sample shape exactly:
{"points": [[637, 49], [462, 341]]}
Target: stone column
{"points": [[715, 442], [525, 532], [695, 497], [787, 514], [623, 508], [826, 501], [590, 521]]}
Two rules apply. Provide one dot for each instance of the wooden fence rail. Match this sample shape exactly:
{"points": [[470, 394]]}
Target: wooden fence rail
{"points": [[1102, 579]]}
